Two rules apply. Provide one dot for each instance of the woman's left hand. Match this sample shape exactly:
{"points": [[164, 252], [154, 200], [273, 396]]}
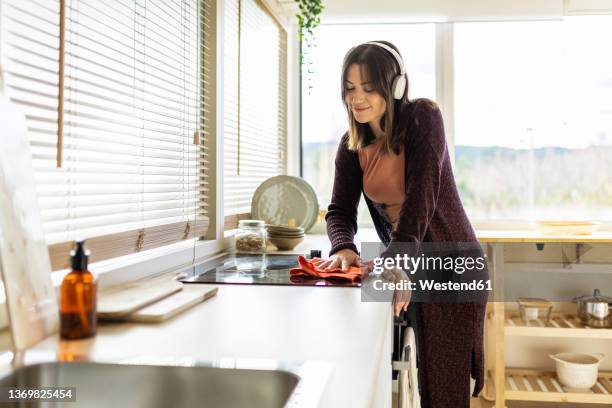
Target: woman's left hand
{"points": [[399, 306], [401, 297]]}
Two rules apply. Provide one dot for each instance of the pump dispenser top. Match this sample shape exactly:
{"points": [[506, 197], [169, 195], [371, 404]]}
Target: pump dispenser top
{"points": [[79, 257]]}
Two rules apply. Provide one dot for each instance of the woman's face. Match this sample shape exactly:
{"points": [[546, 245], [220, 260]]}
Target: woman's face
{"points": [[366, 105]]}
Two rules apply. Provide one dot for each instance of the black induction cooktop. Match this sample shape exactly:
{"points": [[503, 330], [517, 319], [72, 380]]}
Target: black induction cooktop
{"points": [[253, 270]]}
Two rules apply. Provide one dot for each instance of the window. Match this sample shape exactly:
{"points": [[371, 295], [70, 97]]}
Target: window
{"points": [[323, 114], [255, 69], [533, 119], [136, 101]]}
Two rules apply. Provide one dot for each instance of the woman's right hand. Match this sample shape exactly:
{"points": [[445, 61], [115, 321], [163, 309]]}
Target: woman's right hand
{"points": [[343, 259]]}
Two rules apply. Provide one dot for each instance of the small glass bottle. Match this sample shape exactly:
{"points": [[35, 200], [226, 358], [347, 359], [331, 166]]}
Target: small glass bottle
{"points": [[251, 237], [78, 297]]}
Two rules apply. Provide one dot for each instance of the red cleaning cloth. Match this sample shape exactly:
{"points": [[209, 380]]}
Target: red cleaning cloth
{"points": [[310, 269]]}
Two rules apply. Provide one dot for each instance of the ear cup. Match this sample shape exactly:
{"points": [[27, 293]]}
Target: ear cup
{"points": [[399, 86], [400, 81]]}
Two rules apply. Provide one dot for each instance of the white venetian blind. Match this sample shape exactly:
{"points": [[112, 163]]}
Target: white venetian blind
{"points": [[255, 104], [133, 174]]}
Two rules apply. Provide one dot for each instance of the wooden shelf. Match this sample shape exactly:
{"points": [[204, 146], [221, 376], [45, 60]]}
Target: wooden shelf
{"points": [[503, 236], [560, 325], [536, 385]]}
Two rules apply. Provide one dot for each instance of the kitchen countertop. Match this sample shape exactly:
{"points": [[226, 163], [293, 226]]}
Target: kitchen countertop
{"points": [[265, 322]]}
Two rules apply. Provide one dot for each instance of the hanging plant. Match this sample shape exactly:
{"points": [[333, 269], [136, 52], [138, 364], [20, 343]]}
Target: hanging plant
{"points": [[308, 20]]}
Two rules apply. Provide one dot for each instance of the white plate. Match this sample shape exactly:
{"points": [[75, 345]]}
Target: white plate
{"points": [[281, 199]]}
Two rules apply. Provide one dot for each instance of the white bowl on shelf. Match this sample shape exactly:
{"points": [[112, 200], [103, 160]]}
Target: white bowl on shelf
{"points": [[576, 370]]}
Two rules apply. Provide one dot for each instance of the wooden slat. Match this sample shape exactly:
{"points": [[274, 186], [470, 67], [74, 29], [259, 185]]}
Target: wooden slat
{"points": [[606, 383], [597, 389], [563, 322], [548, 382], [571, 324], [518, 380], [535, 386], [507, 382]]}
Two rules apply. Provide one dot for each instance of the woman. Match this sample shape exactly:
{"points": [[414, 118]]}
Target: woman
{"points": [[395, 152]]}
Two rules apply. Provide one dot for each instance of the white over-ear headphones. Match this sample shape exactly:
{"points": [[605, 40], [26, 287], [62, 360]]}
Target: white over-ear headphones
{"points": [[399, 82]]}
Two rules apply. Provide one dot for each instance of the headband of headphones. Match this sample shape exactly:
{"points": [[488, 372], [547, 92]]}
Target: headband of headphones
{"points": [[397, 57]]}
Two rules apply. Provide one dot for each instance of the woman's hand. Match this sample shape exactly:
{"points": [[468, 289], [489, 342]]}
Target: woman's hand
{"points": [[343, 259], [401, 297]]}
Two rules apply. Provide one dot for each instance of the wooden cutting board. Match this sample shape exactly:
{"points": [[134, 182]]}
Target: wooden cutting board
{"points": [[174, 304], [126, 299]]}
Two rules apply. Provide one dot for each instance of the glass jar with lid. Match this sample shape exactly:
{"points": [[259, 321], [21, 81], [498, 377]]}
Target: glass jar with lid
{"points": [[251, 237]]}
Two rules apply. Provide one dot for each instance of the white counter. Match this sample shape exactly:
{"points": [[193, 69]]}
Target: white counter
{"points": [[270, 322]]}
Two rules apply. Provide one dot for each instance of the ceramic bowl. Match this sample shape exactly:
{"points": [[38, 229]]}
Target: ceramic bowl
{"points": [[577, 370], [284, 229], [285, 243], [286, 235]]}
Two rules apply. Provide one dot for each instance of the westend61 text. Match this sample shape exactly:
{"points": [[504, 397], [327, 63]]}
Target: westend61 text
{"points": [[429, 285]]}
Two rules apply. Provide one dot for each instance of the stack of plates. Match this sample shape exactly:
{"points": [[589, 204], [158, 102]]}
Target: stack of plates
{"points": [[284, 237]]}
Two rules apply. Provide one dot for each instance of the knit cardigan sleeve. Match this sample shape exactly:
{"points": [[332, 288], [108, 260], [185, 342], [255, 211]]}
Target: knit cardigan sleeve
{"points": [[341, 217], [424, 150]]}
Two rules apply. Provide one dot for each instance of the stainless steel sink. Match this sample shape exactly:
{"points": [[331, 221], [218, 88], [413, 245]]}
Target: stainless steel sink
{"points": [[133, 386]]}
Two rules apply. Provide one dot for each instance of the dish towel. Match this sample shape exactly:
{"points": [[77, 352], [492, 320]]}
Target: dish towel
{"points": [[310, 269]]}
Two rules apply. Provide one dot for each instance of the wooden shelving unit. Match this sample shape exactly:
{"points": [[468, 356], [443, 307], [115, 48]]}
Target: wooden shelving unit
{"points": [[504, 383], [560, 325]]}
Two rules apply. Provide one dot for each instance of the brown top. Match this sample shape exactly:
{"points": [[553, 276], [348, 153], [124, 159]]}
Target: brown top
{"points": [[383, 177], [450, 344]]}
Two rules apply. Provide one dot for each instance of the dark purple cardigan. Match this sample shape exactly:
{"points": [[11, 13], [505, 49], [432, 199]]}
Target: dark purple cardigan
{"points": [[450, 335]]}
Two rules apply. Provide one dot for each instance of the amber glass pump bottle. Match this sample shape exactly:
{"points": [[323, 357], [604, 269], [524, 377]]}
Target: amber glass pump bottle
{"points": [[78, 297]]}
